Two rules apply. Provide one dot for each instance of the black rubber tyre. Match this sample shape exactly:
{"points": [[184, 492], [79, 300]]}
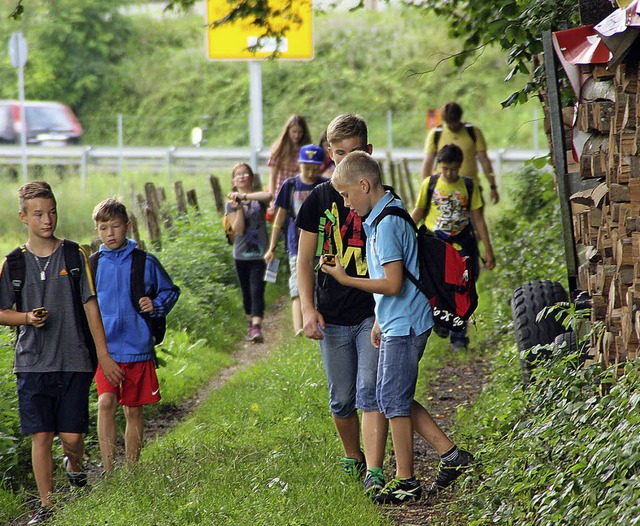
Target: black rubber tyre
{"points": [[527, 301], [568, 344]]}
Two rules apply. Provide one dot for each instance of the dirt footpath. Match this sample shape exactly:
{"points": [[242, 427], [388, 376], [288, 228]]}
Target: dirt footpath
{"points": [[455, 385]]}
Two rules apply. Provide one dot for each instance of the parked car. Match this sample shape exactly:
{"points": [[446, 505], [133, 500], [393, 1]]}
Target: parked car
{"points": [[48, 123]]}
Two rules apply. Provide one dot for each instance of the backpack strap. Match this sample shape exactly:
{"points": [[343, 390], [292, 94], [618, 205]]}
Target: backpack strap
{"points": [[401, 212], [73, 263], [436, 136], [471, 131], [17, 267], [138, 264]]}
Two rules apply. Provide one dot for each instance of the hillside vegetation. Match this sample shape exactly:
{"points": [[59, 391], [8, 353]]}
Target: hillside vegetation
{"points": [[154, 71]]}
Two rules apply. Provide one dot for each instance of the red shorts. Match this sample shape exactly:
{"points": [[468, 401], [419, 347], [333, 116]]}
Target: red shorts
{"points": [[139, 387]]}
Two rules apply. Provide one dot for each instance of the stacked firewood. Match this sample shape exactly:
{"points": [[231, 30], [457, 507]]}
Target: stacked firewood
{"points": [[606, 218]]}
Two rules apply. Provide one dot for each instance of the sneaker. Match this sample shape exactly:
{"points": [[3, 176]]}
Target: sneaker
{"points": [[399, 491], [42, 515], [354, 467], [373, 482], [448, 472], [255, 334], [247, 338], [78, 479], [458, 347]]}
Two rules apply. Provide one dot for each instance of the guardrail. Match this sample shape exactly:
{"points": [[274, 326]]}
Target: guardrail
{"points": [[191, 159]]}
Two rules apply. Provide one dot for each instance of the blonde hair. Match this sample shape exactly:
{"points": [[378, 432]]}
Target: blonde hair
{"points": [[34, 190], [354, 167], [110, 209]]}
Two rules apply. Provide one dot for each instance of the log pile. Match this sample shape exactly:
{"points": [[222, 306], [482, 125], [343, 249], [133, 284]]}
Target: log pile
{"points": [[606, 218]]}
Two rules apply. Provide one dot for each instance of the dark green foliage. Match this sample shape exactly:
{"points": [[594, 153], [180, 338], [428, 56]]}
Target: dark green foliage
{"points": [[201, 264], [527, 235], [73, 46], [516, 26]]}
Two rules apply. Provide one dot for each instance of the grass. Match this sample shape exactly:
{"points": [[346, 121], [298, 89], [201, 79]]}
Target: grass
{"points": [[260, 450], [75, 206]]}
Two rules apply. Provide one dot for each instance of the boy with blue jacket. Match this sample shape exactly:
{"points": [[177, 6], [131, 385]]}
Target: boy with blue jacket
{"points": [[129, 338], [403, 323]]}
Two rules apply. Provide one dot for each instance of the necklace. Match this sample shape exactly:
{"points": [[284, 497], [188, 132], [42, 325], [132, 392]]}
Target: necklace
{"points": [[43, 271]]}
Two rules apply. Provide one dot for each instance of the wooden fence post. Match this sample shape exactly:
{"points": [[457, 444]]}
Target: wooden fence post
{"points": [[407, 171], [192, 199], [217, 194], [180, 199], [392, 171], [402, 190], [135, 233], [151, 214]]}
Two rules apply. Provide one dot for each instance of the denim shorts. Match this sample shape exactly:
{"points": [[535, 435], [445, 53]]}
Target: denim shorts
{"points": [[398, 372], [351, 364], [293, 277], [54, 402]]}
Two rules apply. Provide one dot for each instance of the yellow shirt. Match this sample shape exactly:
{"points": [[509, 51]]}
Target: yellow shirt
{"points": [[449, 210], [462, 139]]}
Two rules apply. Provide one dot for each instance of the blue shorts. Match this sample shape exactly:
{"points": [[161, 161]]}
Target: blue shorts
{"points": [[351, 364], [54, 402], [398, 372]]}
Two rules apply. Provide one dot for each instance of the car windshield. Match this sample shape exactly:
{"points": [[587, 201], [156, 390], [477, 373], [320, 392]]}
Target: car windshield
{"points": [[48, 119]]}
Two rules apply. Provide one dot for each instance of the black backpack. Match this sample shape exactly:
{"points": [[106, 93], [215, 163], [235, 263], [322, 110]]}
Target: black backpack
{"points": [[157, 324], [470, 130], [446, 277], [73, 263]]}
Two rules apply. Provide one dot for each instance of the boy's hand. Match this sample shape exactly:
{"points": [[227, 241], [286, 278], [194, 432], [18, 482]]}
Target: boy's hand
{"points": [[489, 260], [375, 335], [269, 256], [336, 269], [312, 322], [146, 305], [111, 370], [37, 317]]}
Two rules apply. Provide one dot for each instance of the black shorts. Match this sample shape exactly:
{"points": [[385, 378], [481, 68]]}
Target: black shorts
{"points": [[54, 402]]}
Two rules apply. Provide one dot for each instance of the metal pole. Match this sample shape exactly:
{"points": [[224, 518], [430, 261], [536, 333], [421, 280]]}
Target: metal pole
{"points": [[169, 161], [23, 121], [255, 115], [120, 154], [83, 167]]}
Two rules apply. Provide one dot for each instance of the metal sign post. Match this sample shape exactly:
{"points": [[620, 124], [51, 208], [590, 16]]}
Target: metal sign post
{"points": [[18, 54]]}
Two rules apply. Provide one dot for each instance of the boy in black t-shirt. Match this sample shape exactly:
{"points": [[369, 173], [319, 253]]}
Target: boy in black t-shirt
{"points": [[341, 318]]}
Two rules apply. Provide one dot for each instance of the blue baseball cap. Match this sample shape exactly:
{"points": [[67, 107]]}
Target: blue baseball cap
{"points": [[312, 154]]}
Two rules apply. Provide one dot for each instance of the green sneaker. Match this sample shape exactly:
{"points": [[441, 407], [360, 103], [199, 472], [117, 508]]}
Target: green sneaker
{"points": [[354, 467], [373, 482], [399, 491]]}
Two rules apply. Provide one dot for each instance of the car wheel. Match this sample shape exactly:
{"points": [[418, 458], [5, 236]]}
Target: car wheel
{"points": [[527, 301]]}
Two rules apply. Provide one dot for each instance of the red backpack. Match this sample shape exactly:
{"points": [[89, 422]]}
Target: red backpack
{"points": [[446, 277]]}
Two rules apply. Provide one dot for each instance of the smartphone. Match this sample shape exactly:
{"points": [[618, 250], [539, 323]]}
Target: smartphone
{"points": [[330, 259], [39, 312]]}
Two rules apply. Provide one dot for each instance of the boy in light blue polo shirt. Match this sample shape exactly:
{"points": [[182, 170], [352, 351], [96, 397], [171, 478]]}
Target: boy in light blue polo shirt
{"points": [[403, 324]]}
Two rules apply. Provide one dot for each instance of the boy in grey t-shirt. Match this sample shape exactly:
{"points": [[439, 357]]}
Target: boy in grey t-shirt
{"points": [[53, 365]]}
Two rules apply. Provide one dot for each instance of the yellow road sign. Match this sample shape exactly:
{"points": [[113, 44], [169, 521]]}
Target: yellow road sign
{"points": [[231, 41]]}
